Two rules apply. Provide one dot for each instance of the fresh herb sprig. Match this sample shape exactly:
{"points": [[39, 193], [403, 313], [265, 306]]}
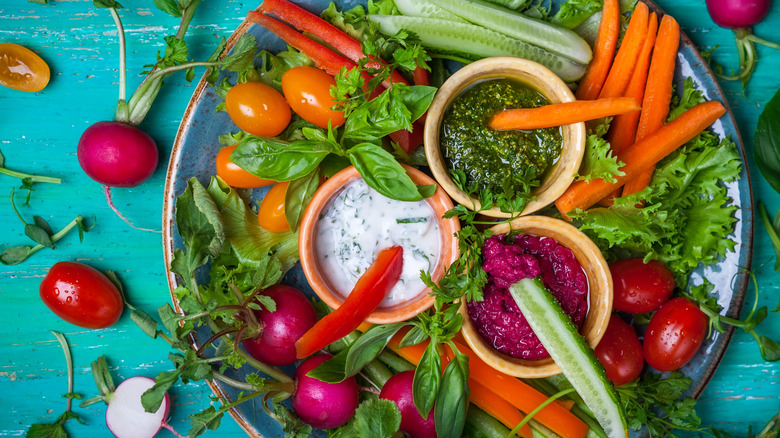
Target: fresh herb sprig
{"points": [[702, 296], [27, 179], [57, 428], [41, 233]]}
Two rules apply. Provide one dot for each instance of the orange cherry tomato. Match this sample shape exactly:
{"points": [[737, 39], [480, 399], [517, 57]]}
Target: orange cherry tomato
{"points": [[270, 215], [21, 69], [307, 90], [235, 176], [258, 109]]}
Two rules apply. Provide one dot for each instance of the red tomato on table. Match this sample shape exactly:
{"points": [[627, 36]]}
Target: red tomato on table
{"points": [[81, 295]]}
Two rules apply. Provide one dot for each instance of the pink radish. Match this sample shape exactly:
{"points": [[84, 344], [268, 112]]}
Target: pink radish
{"points": [[741, 16], [280, 329], [399, 389], [323, 405]]}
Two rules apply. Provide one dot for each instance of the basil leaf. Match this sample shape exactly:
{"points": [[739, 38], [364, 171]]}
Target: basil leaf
{"points": [[427, 379], [278, 161], [382, 172], [369, 345], [427, 191], [297, 197], [766, 144], [332, 370], [377, 418], [413, 337], [416, 99], [393, 110], [332, 164], [452, 399]]}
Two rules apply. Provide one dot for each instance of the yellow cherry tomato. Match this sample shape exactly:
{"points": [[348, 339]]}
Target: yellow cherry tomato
{"points": [[21, 69], [235, 176], [307, 90], [271, 213], [258, 109]]}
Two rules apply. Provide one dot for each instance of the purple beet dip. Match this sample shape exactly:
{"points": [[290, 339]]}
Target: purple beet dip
{"points": [[497, 318]]}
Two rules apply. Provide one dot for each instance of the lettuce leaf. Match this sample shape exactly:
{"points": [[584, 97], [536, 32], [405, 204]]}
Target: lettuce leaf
{"points": [[598, 161]]}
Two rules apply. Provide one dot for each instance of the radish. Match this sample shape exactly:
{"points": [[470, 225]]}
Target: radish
{"points": [[119, 154], [740, 16], [323, 405], [294, 315], [125, 414], [399, 389]]}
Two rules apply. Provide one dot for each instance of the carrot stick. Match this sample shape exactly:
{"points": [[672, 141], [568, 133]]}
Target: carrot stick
{"points": [[622, 131], [603, 52], [642, 155], [506, 388], [497, 408], [626, 58], [658, 92], [559, 114]]}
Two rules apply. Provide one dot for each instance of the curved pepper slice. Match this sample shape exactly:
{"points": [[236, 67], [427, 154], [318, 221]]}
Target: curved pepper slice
{"points": [[369, 291]]}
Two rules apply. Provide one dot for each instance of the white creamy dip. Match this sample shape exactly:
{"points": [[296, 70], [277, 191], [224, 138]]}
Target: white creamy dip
{"points": [[358, 223]]}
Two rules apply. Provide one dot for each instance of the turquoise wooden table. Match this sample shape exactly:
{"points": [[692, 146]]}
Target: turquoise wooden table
{"points": [[39, 133]]}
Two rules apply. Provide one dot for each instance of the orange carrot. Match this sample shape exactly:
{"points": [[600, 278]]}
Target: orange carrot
{"points": [[626, 57], [658, 92], [559, 114], [642, 155], [497, 408], [622, 131], [603, 52], [506, 388]]}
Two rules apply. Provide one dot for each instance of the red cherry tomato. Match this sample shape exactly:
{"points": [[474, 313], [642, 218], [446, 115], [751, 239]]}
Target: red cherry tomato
{"points": [[307, 90], [620, 352], [257, 109], [235, 176], [674, 334], [270, 215], [640, 287], [81, 295], [21, 69]]}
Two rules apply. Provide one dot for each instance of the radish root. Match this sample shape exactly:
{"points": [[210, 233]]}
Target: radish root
{"points": [[107, 190]]}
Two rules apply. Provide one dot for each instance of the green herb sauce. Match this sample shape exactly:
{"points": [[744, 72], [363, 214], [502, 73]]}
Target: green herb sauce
{"points": [[489, 157]]}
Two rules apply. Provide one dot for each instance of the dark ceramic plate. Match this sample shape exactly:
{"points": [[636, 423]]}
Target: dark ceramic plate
{"points": [[196, 146]]}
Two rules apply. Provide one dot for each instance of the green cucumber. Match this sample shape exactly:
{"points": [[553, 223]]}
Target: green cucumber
{"points": [[511, 4], [476, 40], [425, 9], [571, 353], [550, 37]]}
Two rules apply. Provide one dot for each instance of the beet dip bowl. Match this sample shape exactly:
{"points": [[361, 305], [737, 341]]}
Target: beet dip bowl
{"points": [[570, 266]]}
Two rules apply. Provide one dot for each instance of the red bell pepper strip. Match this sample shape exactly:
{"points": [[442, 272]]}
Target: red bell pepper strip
{"points": [[409, 140], [305, 21], [324, 58], [370, 289], [420, 76]]}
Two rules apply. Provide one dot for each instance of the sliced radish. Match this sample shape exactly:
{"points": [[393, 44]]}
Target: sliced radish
{"points": [[126, 417]]}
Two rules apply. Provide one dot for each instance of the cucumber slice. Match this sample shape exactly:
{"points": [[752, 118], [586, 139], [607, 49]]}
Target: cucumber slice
{"points": [[570, 352], [425, 9], [476, 40], [554, 38]]}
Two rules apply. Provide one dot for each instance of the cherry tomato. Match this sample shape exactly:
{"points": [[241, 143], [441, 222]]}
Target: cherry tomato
{"points": [[235, 176], [674, 334], [257, 109], [21, 69], [81, 295], [620, 352], [640, 287], [307, 90], [270, 215]]}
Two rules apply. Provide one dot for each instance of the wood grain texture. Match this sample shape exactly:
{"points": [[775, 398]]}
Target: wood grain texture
{"points": [[39, 133]]}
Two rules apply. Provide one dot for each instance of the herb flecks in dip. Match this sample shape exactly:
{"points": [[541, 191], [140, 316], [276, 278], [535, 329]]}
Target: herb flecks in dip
{"points": [[359, 222], [489, 157], [497, 318]]}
